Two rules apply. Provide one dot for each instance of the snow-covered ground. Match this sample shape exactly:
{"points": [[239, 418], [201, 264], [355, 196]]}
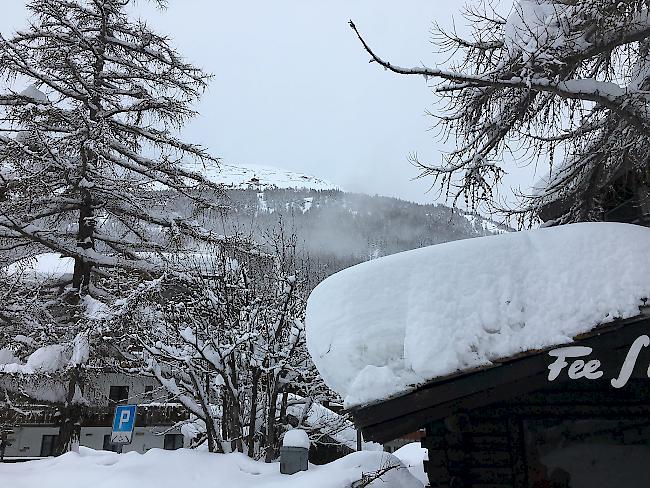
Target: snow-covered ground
{"points": [[385, 326], [47, 268], [187, 468]]}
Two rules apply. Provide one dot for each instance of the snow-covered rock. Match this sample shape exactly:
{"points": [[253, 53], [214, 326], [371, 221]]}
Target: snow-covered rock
{"points": [[162, 469], [385, 326]]}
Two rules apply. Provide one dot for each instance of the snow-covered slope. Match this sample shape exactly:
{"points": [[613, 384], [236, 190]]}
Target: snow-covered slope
{"points": [[260, 177], [382, 327]]}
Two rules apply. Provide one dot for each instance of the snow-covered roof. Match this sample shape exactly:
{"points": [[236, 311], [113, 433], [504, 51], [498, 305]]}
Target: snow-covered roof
{"points": [[383, 327]]}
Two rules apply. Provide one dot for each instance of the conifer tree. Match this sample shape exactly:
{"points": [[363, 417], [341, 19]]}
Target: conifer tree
{"points": [[89, 158]]}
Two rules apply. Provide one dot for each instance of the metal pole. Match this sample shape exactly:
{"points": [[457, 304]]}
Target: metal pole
{"points": [[359, 444]]}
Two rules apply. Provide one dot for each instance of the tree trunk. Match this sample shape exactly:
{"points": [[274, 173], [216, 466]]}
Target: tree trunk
{"points": [[269, 441], [253, 414], [70, 418]]}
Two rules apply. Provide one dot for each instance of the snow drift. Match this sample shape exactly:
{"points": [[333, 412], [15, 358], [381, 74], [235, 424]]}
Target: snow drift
{"points": [[385, 326], [184, 467]]}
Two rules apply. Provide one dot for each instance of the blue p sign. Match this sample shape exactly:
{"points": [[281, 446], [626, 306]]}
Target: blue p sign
{"points": [[123, 424]]}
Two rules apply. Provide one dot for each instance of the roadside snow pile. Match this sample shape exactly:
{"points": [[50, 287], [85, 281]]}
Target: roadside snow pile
{"points": [[382, 327], [161, 469]]}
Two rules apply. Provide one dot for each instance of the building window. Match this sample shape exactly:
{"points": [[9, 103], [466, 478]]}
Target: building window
{"points": [[119, 394], [173, 441], [48, 444]]}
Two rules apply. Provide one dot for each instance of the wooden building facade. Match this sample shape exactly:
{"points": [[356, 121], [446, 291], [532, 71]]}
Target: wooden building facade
{"points": [[514, 425]]}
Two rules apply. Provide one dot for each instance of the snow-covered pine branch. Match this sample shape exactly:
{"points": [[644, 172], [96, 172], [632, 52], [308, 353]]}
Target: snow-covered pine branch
{"points": [[551, 75], [90, 158]]}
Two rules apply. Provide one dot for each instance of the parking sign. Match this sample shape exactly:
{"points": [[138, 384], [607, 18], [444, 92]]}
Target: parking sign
{"points": [[123, 424]]}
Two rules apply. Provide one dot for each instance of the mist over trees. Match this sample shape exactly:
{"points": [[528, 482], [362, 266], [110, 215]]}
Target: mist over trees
{"points": [[335, 229]]}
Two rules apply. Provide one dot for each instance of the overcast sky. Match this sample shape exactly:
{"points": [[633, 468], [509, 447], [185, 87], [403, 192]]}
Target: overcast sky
{"points": [[293, 88]]}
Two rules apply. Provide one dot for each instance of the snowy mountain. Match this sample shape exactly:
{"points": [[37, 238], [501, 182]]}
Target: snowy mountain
{"points": [[334, 228], [337, 229], [260, 177], [264, 178]]}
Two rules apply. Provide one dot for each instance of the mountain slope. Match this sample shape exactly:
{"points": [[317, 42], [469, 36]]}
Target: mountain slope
{"points": [[260, 177]]}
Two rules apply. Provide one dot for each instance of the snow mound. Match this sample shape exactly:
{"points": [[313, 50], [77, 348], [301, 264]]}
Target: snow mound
{"points": [[171, 469], [47, 268], [296, 438], [385, 326], [412, 456]]}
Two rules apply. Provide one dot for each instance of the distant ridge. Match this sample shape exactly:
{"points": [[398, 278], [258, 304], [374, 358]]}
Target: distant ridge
{"points": [[246, 176]]}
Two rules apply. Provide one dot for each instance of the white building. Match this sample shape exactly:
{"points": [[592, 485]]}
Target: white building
{"points": [[157, 423]]}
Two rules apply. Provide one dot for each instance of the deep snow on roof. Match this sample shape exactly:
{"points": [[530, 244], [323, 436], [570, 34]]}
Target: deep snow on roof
{"points": [[381, 328]]}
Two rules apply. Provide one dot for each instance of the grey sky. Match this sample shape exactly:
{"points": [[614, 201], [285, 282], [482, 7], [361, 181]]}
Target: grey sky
{"points": [[293, 88]]}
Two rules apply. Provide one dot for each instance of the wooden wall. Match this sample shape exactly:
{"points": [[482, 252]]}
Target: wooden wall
{"points": [[485, 448]]}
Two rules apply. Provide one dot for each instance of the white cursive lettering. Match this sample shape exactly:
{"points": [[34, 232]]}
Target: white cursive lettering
{"points": [[556, 367], [630, 361]]}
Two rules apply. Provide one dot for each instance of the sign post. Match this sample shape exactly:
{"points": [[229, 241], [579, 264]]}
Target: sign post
{"points": [[123, 425]]}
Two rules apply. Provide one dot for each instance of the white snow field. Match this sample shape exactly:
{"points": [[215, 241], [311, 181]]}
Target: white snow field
{"points": [[385, 326], [258, 176], [189, 468]]}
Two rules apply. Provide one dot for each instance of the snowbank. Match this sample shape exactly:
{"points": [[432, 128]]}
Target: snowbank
{"points": [[43, 269], [184, 467], [380, 328], [412, 456]]}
